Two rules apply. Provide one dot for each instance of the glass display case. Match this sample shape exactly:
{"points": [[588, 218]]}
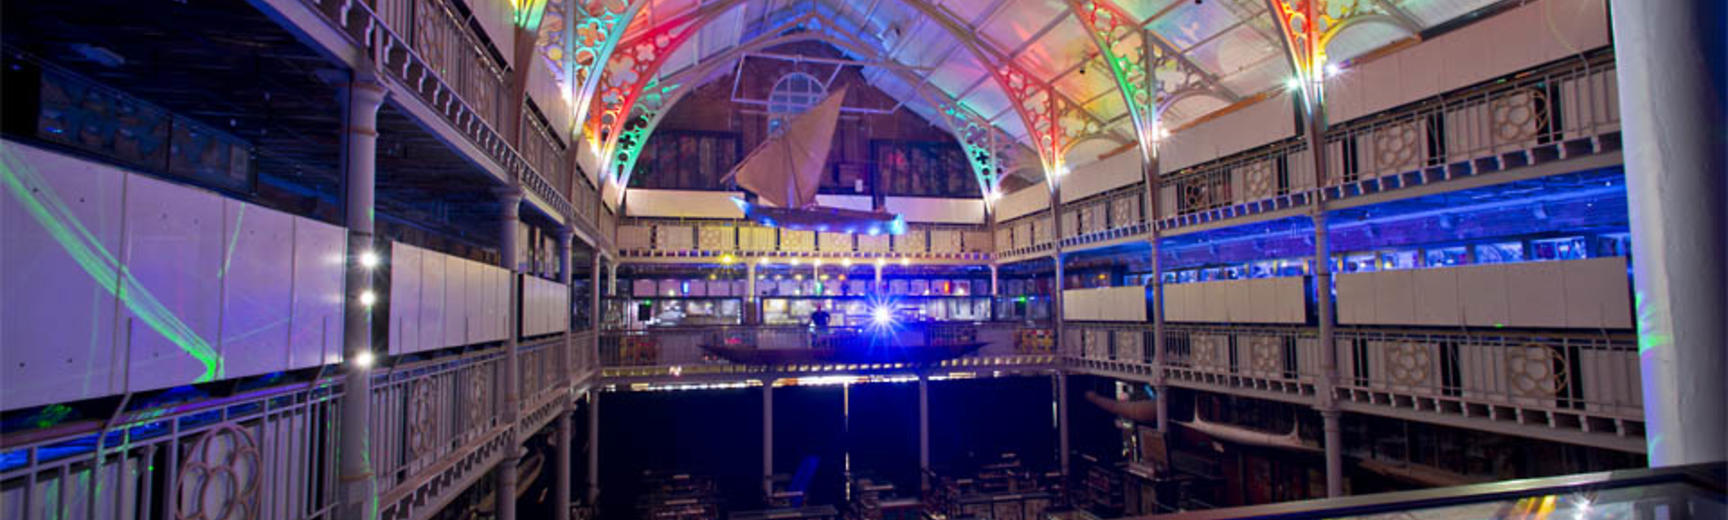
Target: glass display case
{"points": [[856, 312], [642, 313]]}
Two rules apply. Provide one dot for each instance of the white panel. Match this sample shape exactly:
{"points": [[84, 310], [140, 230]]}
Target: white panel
{"points": [[674, 238], [857, 202], [1435, 297], [1024, 202], [174, 238], [1508, 42], [256, 293], [561, 308], [1597, 294], [1216, 301], [1293, 306], [316, 323], [1239, 300], [1534, 294], [1262, 304], [1079, 305], [1355, 300], [432, 313], [479, 302], [1097, 177], [1180, 302], [939, 210], [530, 306], [404, 298], [1126, 304], [635, 237], [757, 239], [45, 292], [1252, 126], [1394, 297], [455, 301], [1482, 293], [501, 285]]}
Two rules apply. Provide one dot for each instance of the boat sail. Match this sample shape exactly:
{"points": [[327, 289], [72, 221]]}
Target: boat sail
{"points": [[785, 171]]}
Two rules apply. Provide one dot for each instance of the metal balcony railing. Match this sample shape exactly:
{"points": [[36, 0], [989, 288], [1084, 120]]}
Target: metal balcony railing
{"points": [[425, 46], [677, 351], [1555, 111], [1579, 382]]}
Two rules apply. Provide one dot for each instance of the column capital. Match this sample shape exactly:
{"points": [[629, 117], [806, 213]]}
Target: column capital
{"points": [[510, 200], [366, 88], [508, 193]]}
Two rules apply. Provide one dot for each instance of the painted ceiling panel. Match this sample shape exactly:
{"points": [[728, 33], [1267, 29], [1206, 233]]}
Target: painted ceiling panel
{"points": [[1143, 9], [1107, 106], [1192, 23], [1362, 38], [1191, 108], [970, 11], [1010, 124], [988, 100], [1019, 21], [1232, 40], [923, 44], [1435, 12], [1234, 50], [1059, 49], [1095, 82], [957, 73], [1270, 72]]}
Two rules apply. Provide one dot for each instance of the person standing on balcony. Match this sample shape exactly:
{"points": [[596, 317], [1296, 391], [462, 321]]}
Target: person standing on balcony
{"points": [[819, 326]]}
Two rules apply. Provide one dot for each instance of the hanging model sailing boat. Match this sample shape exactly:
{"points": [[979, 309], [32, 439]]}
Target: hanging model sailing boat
{"points": [[785, 171]]}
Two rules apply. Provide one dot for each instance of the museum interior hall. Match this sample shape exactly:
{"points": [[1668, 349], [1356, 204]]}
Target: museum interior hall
{"points": [[863, 259]]}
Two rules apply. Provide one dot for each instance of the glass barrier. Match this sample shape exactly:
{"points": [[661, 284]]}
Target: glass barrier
{"points": [[1677, 493]]}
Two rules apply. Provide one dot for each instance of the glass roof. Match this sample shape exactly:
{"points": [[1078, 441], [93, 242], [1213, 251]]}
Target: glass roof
{"points": [[944, 50]]}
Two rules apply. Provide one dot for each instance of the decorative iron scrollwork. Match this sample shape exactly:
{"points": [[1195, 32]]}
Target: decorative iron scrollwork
{"points": [[1520, 114], [218, 478], [1396, 146], [1410, 363], [1536, 370]]}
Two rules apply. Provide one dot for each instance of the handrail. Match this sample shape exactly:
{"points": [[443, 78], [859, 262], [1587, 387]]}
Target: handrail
{"points": [[1490, 126], [400, 59], [1705, 479]]}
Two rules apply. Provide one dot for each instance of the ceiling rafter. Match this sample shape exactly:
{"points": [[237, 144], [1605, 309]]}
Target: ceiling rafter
{"points": [[1041, 107], [972, 137]]}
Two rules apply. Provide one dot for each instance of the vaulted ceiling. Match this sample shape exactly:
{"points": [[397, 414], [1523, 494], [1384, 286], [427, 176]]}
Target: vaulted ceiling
{"points": [[936, 55]]}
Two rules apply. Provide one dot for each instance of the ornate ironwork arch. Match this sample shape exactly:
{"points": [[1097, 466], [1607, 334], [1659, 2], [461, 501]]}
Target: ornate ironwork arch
{"points": [[967, 128]]}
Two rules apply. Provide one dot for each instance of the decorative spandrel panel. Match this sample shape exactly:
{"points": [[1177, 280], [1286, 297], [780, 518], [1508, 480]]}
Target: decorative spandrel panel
{"points": [[834, 242], [717, 238]]}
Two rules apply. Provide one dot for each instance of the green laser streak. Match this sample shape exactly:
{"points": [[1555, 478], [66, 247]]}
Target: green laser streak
{"points": [[234, 239], [79, 243]]}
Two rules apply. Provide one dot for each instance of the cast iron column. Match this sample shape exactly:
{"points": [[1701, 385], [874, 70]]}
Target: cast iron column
{"points": [[561, 482], [767, 439], [594, 449], [1670, 63], [360, 99], [924, 432], [510, 200]]}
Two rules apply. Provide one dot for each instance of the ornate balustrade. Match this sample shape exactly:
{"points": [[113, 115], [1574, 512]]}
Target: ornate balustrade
{"points": [[422, 45], [1573, 383], [436, 427], [676, 354], [183, 460], [1557, 111], [679, 238], [424, 411]]}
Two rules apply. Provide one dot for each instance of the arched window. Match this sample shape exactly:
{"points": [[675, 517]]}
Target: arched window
{"points": [[792, 95]]}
